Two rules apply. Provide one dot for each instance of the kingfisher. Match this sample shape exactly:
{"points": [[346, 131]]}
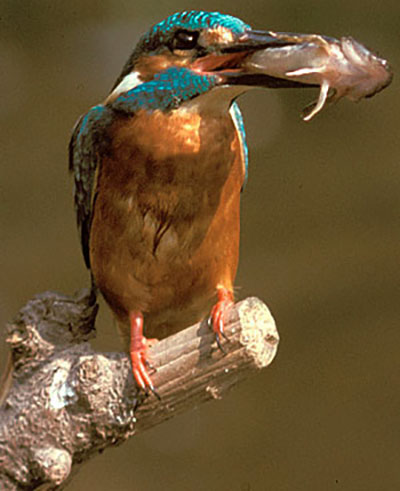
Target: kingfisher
{"points": [[159, 167]]}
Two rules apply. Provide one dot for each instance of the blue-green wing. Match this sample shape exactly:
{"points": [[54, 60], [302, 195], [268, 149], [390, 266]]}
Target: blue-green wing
{"points": [[239, 123], [84, 161]]}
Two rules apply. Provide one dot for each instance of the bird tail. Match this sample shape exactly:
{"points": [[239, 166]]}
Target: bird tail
{"points": [[94, 291]]}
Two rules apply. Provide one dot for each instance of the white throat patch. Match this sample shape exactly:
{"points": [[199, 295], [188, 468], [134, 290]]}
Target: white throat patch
{"points": [[129, 82]]}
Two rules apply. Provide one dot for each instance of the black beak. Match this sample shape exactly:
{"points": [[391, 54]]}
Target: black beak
{"points": [[251, 42], [255, 40]]}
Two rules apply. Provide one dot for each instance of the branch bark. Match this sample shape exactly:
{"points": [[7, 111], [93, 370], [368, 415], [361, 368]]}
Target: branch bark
{"points": [[68, 402]]}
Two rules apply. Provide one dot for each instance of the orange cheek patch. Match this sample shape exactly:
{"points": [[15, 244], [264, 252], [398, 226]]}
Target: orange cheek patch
{"points": [[218, 35], [148, 66]]}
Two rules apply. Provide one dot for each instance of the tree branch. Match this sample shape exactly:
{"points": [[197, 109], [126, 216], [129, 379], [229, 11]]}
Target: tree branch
{"points": [[68, 402]]}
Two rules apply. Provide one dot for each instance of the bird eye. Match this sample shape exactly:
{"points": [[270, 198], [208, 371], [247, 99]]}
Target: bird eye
{"points": [[185, 40]]}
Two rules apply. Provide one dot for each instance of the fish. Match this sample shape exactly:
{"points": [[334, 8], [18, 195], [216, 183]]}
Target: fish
{"points": [[341, 67]]}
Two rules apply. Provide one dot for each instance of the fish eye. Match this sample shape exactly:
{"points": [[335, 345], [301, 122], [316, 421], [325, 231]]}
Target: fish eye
{"points": [[185, 39]]}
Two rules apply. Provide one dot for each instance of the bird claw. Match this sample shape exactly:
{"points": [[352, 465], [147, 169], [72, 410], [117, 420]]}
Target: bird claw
{"points": [[138, 353], [139, 370], [150, 366], [142, 377], [155, 393], [219, 344], [216, 321]]}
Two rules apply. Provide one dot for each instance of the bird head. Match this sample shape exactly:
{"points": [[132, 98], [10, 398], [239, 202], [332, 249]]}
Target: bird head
{"points": [[207, 50]]}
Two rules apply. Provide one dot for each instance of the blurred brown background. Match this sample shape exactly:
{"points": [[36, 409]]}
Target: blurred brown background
{"points": [[320, 244]]}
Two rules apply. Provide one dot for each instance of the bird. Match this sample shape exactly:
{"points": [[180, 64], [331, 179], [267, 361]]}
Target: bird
{"points": [[159, 167]]}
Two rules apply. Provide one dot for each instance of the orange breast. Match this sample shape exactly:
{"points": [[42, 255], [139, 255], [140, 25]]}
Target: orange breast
{"points": [[165, 230]]}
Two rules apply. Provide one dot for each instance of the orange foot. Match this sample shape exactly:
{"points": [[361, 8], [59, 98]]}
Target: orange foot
{"points": [[218, 313], [138, 352]]}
